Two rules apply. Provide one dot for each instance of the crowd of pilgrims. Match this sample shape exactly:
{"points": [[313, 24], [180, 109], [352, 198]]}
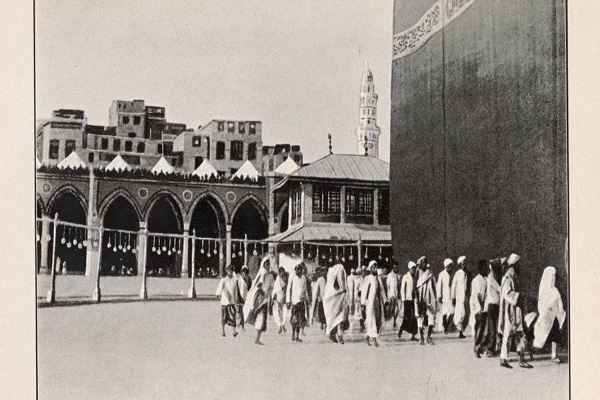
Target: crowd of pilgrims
{"points": [[490, 303]]}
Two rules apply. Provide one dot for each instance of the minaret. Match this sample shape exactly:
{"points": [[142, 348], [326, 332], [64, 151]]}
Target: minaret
{"points": [[367, 126]]}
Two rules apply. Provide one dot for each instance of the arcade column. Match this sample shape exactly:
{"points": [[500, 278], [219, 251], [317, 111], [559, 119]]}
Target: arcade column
{"points": [[227, 245], [185, 250], [44, 242]]}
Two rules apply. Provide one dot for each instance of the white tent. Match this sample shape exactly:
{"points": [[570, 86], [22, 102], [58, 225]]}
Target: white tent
{"points": [[38, 163], [247, 170], [72, 161], [287, 167], [205, 170], [163, 166], [118, 164]]}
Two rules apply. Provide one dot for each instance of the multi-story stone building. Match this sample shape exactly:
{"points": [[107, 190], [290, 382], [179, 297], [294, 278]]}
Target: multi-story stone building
{"points": [[274, 156]]}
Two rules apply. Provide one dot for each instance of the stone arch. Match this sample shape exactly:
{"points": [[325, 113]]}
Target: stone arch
{"points": [[210, 195], [180, 211], [253, 221], [39, 206], [120, 192], [67, 188]]}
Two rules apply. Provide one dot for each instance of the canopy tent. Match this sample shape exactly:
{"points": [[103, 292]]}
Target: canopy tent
{"points": [[287, 167], [163, 167], [333, 233], [118, 164], [72, 162], [205, 170], [247, 170]]}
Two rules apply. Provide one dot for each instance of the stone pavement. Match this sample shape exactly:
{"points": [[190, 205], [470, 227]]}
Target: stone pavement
{"points": [[173, 350]]}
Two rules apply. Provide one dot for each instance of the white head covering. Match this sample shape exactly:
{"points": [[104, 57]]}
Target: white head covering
{"points": [[447, 262], [353, 270], [512, 259], [411, 264], [547, 284], [372, 264], [461, 259]]}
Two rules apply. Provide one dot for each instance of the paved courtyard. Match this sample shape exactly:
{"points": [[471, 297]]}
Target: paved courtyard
{"points": [[173, 350]]}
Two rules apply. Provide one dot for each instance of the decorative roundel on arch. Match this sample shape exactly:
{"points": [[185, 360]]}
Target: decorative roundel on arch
{"points": [[46, 187], [187, 195], [143, 193], [230, 197]]}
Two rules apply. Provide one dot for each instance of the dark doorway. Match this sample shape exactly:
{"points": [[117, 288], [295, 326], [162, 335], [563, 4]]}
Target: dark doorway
{"points": [[119, 250], [207, 222], [164, 253], [70, 249]]}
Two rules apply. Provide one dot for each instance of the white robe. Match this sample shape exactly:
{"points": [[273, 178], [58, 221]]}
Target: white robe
{"points": [[266, 279], [550, 307], [443, 292], [492, 292], [458, 292], [335, 301], [392, 283], [280, 310], [318, 289], [511, 316], [407, 287], [351, 293], [477, 300], [369, 296], [227, 290]]}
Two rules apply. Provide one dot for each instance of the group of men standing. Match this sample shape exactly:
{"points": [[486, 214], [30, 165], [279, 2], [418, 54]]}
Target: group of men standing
{"points": [[491, 299]]}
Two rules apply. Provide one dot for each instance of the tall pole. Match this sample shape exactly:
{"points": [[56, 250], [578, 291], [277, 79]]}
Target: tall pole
{"points": [[302, 248], [245, 249], [144, 249], [192, 291], [97, 294], [52, 293], [359, 245]]}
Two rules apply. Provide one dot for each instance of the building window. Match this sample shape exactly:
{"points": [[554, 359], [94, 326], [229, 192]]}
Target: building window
{"points": [[237, 150], [104, 143], [159, 148], [271, 164], [69, 147], [326, 200], [231, 127], [116, 145], [141, 147], [220, 126], [131, 135], [296, 204], [91, 157], [220, 150], [359, 201], [197, 161], [241, 127], [383, 205], [128, 145], [252, 129], [196, 141], [298, 159], [208, 148], [125, 120], [252, 151], [53, 149], [137, 120]]}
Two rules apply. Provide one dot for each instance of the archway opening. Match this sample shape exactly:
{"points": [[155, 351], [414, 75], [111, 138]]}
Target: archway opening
{"points": [[163, 254], [207, 222], [38, 234], [248, 220], [70, 249], [119, 249]]}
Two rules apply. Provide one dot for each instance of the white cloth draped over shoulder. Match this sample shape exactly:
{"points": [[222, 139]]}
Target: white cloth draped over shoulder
{"points": [[443, 292], [335, 301], [280, 311], [511, 316], [227, 290], [550, 308], [407, 287], [458, 292], [371, 287], [492, 292], [425, 292], [318, 290], [393, 283], [264, 277]]}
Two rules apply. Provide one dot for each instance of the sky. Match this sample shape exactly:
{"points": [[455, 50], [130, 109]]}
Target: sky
{"points": [[295, 66]]}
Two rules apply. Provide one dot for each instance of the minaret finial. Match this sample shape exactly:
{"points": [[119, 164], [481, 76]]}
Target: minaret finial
{"points": [[330, 148], [366, 147]]}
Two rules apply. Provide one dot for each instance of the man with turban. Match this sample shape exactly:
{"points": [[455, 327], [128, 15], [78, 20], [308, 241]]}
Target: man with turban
{"points": [[280, 311], [297, 295], [407, 296], [510, 324], [443, 292], [459, 292], [351, 291], [492, 307], [373, 300], [316, 307], [244, 284], [425, 300], [227, 293]]}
